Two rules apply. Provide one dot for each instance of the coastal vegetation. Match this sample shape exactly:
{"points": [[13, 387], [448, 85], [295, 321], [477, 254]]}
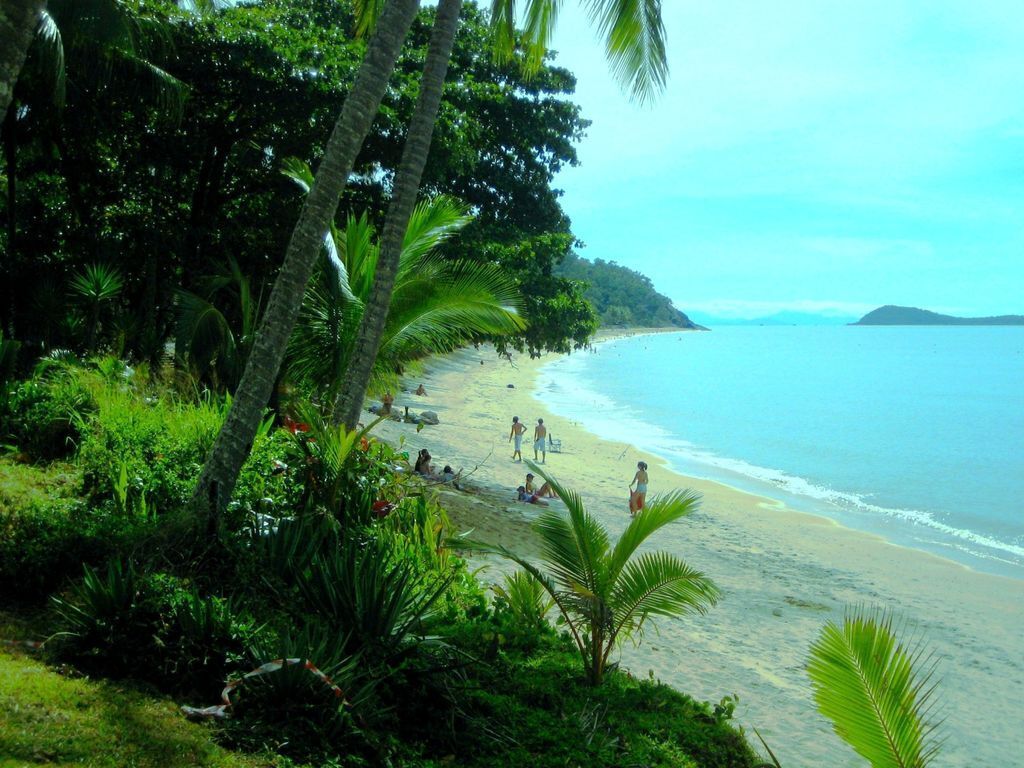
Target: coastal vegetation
{"points": [[188, 332], [622, 296]]}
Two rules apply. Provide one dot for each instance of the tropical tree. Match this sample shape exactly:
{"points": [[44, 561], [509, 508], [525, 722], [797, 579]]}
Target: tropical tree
{"points": [[635, 46], [437, 304], [95, 288], [407, 184], [876, 689], [606, 593], [18, 22], [220, 472], [206, 340]]}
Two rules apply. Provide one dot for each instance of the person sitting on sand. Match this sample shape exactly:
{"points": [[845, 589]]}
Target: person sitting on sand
{"points": [[421, 391], [529, 498], [448, 475], [386, 402], [639, 496], [423, 463], [545, 490]]}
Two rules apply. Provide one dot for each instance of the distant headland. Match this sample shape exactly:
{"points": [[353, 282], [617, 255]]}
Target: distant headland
{"points": [[892, 315]]}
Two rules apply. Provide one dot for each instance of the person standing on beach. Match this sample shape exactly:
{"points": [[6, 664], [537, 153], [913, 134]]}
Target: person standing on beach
{"points": [[540, 433], [518, 428], [639, 496]]}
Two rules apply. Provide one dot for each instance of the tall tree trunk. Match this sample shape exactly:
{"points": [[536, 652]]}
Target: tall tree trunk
{"points": [[231, 448], [18, 20], [406, 187], [10, 141]]}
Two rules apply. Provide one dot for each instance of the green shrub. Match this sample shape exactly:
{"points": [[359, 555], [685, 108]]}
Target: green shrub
{"points": [[291, 708], [158, 442], [156, 628], [46, 413], [44, 544]]}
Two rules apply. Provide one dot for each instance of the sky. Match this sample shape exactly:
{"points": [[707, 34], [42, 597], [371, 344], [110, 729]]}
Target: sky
{"points": [[812, 155]]}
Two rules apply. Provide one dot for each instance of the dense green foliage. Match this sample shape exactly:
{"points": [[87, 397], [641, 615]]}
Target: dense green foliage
{"points": [[607, 593], [160, 198], [623, 296], [326, 554]]}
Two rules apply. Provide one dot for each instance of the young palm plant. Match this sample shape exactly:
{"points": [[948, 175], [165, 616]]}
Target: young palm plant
{"points": [[97, 286], [206, 340], [606, 593], [876, 689], [436, 306]]}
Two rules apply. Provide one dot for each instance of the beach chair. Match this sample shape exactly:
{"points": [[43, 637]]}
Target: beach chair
{"points": [[555, 446]]}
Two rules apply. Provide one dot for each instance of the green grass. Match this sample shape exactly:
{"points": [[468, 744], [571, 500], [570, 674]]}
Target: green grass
{"points": [[50, 720], [23, 486]]}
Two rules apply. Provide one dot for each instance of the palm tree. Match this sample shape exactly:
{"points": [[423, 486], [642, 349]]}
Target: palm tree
{"points": [[362, 361], [604, 593], [865, 682], [635, 46], [205, 339], [220, 472], [95, 287], [18, 22], [436, 306]]}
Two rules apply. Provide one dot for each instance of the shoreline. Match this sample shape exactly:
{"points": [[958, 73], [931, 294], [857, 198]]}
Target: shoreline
{"points": [[787, 499], [783, 572]]}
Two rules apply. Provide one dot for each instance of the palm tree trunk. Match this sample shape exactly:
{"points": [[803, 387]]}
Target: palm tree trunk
{"points": [[231, 448], [407, 185], [7, 313], [18, 19]]}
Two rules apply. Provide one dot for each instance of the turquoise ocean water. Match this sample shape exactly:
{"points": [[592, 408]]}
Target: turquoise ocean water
{"points": [[913, 433]]}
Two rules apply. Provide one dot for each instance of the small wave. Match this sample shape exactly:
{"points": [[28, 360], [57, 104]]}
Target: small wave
{"points": [[568, 395]]}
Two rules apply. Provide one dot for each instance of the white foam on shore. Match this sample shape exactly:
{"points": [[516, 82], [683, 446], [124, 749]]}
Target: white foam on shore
{"points": [[564, 392]]}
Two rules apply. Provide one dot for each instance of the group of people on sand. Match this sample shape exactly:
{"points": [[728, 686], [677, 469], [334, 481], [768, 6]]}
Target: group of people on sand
{"points": [[424, 468], [529, 493], [540, 440]]}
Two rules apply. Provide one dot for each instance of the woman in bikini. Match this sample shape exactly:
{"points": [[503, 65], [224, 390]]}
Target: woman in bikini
{"points": [[639, 496], [545, 490]]}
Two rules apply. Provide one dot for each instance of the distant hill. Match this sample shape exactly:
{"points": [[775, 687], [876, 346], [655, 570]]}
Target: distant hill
{"points": [[891, 315], [623, 296]]}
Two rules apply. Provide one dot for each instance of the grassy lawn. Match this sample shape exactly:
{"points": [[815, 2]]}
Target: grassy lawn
{"points": [[47, 719]]}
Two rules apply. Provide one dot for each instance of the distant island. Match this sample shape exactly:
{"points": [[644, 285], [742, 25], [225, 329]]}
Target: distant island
{"points": [[892, 315]]}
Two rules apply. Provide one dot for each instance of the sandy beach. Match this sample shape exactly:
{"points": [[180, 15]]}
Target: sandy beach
{"points": [[783, 573]]}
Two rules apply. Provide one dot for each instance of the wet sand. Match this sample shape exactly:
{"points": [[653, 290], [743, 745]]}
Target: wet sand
{"points": [[783, 573]]}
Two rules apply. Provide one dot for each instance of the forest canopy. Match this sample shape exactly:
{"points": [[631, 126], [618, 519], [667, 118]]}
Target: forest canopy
{"points": [[161, 161], [623, 296]]}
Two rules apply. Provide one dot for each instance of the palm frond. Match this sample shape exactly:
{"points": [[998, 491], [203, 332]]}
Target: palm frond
{"points": [[367, 12], [202, 333], [659, 512], [865, 682], [576, 546], [658, 584], [433, 221], [634, 44], [503, 29], [50, 47], [97, 283]]}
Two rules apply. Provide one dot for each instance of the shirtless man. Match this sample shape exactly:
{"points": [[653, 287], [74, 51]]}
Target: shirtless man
{"points": [[518, 428], [540, 433]]}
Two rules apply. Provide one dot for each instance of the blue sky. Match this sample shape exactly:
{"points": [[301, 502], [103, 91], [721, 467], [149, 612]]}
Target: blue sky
{"points": [[819, 155]]}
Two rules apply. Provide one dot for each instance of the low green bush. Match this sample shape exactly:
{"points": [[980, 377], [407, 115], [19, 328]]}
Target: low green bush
{"points": [[45, 413], [156, 628]]}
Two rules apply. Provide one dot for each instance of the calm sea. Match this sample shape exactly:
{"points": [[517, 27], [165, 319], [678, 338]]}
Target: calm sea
{"points": [[914, 433]]}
